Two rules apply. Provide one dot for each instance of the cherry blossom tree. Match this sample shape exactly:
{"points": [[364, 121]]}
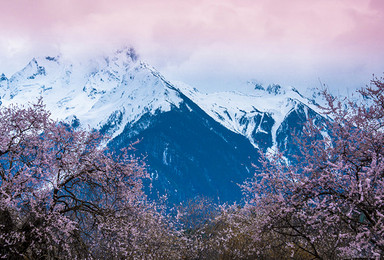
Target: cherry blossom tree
{"points": [[63, 195], [329, 202]]}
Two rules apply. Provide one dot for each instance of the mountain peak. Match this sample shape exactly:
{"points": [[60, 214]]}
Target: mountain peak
{"points": [[128, 52], [275, 89], [94, 90], [254, 87], [122, 57], [55, 59], [3, 77]]}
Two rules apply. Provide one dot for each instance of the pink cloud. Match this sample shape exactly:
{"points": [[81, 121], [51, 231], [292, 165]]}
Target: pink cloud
{"points": [[174, 34], [203, 21]]}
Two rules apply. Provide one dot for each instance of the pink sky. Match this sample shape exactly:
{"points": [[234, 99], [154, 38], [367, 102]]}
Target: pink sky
{"points": [[210, 44]]}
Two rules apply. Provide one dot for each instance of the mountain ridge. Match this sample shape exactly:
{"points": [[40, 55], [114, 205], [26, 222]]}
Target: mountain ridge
{"points": [[194, 143]]}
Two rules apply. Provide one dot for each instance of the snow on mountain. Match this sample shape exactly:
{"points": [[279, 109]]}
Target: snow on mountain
{"points": [[117, 87], [4, 83], [251, 111], [194, 143]]}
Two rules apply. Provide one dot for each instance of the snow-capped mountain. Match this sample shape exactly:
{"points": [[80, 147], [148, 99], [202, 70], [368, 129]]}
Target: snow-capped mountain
{"points": [[253, 111], [193, 143], [117, 86]]}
